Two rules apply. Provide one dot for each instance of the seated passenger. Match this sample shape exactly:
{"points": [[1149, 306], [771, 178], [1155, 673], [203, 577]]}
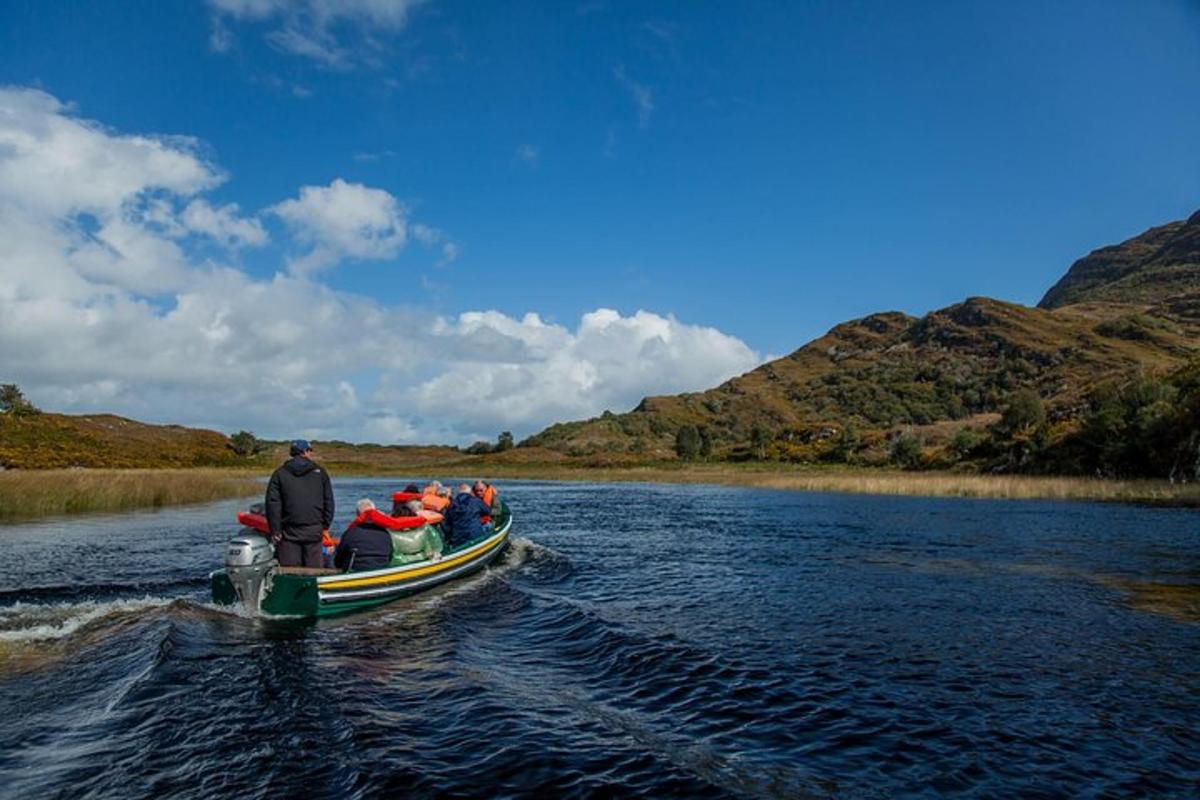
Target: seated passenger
{"points": [[464, 517], [436, 497], [365, 545], [487, 493], [416, 508]]}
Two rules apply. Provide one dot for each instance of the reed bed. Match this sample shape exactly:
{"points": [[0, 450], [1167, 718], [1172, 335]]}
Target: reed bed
{"points": [[880, 482], [27, 494], [1012, 487]]}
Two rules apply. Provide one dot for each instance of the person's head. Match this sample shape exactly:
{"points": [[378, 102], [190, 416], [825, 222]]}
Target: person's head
{"points": [[364, 505], [412, 489], [464, 488], [301, 447], [480, 488], [443, 491], [414, 507]]}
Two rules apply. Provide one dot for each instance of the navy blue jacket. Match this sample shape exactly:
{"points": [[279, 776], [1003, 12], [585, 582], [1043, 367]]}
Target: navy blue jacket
{"points": [[299, 501], [462, 523], [370, 545]]}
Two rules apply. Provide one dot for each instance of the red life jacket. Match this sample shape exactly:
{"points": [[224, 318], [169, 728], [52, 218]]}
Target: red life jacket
{"points": [[376, 517], [257, 522]]}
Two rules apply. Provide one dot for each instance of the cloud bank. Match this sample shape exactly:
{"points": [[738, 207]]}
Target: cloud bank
{"points": [[116, 297]]}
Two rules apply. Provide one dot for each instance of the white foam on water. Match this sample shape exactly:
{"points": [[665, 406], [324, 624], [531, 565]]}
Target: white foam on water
{"points": [[33, 622]]}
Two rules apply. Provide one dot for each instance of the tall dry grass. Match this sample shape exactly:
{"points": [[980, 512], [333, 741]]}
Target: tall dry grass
{"points": [[26, 494], [1014, 487], [883, 482]]}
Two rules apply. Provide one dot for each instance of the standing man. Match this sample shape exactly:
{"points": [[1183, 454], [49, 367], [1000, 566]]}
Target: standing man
{"points": [[299, 508]]}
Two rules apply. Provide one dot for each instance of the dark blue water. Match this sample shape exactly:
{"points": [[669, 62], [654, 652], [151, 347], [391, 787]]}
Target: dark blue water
{"points": [[636, 640]]}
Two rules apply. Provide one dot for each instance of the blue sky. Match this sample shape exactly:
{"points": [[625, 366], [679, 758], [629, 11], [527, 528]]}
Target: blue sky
{"points": [[766, 170]]}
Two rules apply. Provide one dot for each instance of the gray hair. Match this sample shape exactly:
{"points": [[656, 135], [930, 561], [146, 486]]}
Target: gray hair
{"points": [[364, 505]]}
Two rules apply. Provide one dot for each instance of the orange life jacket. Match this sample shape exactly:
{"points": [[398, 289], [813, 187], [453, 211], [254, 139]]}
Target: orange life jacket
{"points": [[489, 496], [435, 503]]}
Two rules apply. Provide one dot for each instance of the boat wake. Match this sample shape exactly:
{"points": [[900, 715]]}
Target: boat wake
{"points": [[32, 622], [96, 592], [538, 562]]}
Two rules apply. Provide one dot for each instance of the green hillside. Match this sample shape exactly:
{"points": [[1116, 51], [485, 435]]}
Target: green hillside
{"points": [[47, 441], [1122, 312]]}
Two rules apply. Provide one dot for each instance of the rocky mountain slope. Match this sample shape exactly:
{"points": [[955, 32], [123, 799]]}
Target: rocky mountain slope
{"points": [[1132, 308]]}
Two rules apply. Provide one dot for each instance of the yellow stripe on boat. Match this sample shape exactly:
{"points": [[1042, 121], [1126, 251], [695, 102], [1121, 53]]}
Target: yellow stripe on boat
{"points": [[415, 573]]}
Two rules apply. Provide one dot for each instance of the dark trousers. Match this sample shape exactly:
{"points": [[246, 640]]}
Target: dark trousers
{"points": [[299, 554]]}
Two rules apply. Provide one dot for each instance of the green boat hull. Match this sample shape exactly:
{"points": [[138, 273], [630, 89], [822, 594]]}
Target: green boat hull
{"points": [[325, 595]]}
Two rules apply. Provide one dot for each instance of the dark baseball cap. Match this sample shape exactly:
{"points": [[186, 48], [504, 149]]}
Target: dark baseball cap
{"points": [[300, 446]]}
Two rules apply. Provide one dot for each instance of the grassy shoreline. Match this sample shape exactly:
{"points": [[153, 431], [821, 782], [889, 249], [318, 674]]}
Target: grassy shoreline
{"points": [[820, 479], [28, 494]]}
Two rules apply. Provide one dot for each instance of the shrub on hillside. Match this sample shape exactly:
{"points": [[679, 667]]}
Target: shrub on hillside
{"points": [[687, 442], [13, 401], [245, 444], [905, 450]]}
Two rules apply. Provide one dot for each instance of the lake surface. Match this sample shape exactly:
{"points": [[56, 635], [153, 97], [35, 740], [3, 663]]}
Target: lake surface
{"points": [[636, 640]]}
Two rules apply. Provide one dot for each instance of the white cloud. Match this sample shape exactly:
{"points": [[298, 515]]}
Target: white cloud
{"points": [[643, 96], [106, 304], [224, 224], [529, 154], [311, 28], [523, 374], [343, 220]]}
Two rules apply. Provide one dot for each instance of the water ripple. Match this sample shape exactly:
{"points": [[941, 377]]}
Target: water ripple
{"points": [[805, 646]]}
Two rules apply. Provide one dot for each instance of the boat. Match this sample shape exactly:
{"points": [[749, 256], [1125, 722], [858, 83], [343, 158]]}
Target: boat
{"points": [[254, 579]]}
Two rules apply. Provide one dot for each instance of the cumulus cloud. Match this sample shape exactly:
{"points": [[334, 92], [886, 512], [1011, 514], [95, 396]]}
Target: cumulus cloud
{"points": [[310, 28], [525, 373], [224, 224], [343, 220], [108, 305]]}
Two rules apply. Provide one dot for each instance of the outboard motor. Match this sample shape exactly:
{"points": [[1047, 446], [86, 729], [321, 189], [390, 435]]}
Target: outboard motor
{"points": [[248, 561]]}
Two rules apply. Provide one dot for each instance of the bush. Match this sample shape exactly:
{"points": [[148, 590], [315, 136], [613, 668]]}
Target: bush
{"points": [[12, 401], [847, 446], [504, 441], [687, 443], [905, 450], [1023, 414], [965, 441], [245, 444], [758, 442]]}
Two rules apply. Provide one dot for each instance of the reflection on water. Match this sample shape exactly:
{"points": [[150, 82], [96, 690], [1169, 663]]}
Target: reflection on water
{"points": [[635, 640]]}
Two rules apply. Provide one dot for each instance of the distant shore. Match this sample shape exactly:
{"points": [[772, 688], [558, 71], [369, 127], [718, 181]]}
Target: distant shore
{"points": [[27, 494], [769, 475], [878, 482]]}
